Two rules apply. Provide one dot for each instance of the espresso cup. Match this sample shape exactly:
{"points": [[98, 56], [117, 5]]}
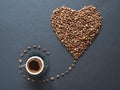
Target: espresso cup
{"points": [[34, 65]]}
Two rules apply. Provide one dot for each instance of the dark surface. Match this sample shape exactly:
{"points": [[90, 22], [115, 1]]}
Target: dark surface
{"points": [[27, 22]]}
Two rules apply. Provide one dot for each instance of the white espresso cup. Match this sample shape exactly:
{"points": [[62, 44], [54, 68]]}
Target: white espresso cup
{"points": [[34, 65]]}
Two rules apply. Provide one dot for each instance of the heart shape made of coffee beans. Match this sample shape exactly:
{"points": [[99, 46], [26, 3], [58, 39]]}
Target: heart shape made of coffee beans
{"points": [[76, 29]]}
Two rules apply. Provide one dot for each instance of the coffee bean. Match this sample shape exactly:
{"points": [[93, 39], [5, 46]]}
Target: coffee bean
{"points": [[19, 67], [29, 48], [22, 54], [73, 65], [75, 61], [51, 78], [58, 76], [47, 80], [70, 68], [67, 72], [20, 60], [21, 72], [35, 46], [38, 46], [28, 78], [44, 50], [24, 76], [25, 51], [48, 53], [32, 80], [62, 74]]}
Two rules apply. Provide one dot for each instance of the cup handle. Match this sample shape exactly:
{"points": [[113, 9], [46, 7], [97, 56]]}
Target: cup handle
{"points": [[22, 65]]}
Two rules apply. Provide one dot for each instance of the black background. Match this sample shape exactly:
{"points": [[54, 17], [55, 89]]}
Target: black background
{"points": [[27, 22]]}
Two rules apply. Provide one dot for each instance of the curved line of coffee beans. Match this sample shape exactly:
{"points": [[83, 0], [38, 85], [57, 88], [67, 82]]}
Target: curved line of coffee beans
{"points": [[52, 78]]}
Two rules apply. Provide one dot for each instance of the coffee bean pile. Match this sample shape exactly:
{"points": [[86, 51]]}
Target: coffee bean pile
{"points": [[76, 29]]}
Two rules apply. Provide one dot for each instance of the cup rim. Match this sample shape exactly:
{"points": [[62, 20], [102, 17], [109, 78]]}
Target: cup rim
{"points": [[39, 58]]}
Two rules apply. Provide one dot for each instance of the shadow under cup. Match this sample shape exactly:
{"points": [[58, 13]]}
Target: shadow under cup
{"points": [[35, 65]]}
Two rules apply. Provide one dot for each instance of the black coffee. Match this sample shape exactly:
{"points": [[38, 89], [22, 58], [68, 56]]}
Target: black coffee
{"points": [[34, 65]]}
